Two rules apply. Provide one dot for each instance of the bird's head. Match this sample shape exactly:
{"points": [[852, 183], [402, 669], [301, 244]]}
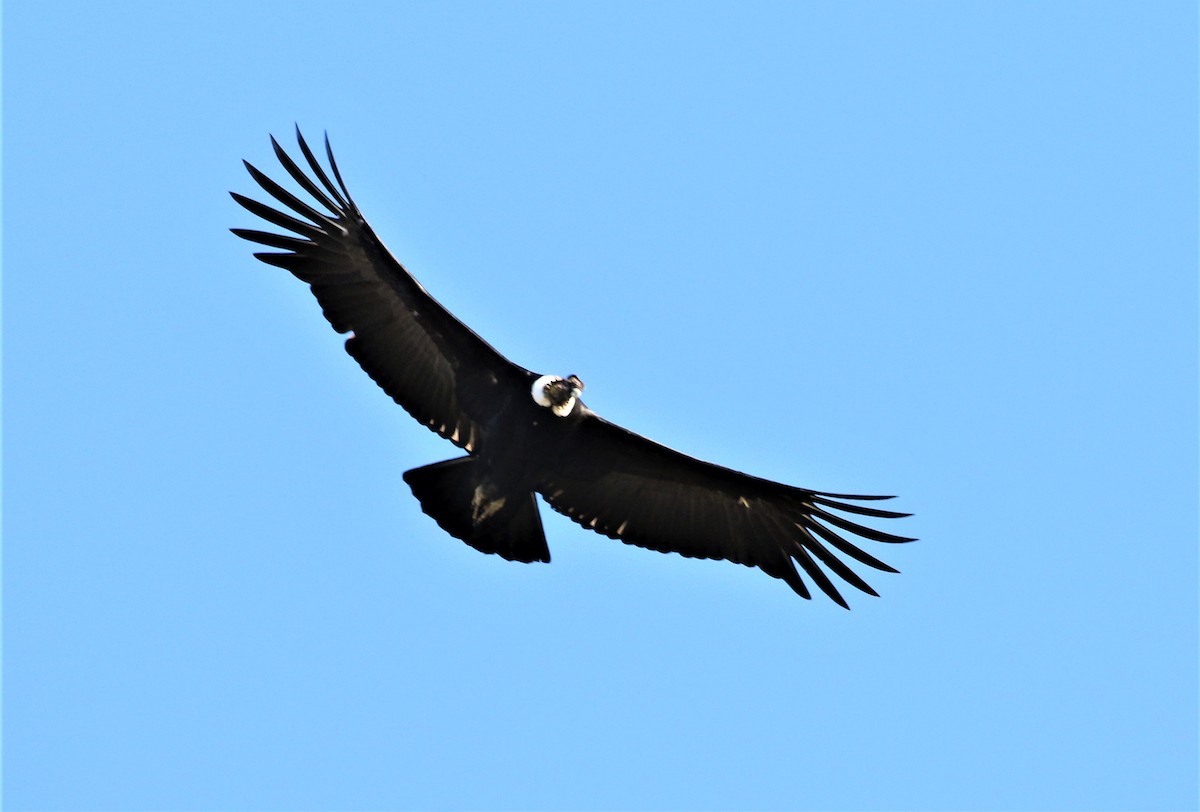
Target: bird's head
{"points": [[557, 394]]}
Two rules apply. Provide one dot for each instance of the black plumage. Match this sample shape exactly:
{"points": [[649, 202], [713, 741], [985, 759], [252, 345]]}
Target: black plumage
{"points": [[527, 434]]}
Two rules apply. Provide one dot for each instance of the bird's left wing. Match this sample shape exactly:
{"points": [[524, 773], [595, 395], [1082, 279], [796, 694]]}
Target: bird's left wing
{"points": [[630, 488], [430, 363]]}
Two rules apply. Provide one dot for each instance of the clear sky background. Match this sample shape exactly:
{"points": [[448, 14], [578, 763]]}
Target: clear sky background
{"points": [[942, 250]]}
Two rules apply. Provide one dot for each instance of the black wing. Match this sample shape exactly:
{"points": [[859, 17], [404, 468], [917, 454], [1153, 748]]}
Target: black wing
{"points": [[428, 361], [629, 488]]}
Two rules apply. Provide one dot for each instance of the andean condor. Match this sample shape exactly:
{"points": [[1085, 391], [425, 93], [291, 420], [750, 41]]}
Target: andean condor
{"points": [[528, 434]]}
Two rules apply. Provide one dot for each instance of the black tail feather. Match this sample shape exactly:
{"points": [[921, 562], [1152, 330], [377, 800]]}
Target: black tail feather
{"points": [[468, 506]]}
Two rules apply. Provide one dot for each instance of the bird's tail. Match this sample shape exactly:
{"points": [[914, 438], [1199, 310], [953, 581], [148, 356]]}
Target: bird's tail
{"points": [[464, 501]]}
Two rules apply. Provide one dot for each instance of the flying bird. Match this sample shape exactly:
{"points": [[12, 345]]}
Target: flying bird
{"points": [[526, 433]]}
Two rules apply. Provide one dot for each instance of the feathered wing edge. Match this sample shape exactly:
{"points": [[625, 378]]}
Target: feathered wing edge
{"points": [[417, 351], [800, 539], [632, 489]]}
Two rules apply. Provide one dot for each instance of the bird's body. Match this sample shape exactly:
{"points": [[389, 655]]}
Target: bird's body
{"points": [[528, 434]]}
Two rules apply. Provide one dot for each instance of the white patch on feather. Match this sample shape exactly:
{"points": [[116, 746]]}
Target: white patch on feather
{"points": [[482, 506]]}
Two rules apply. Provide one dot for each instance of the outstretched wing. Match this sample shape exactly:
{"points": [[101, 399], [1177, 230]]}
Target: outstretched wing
{"points": [[428, 361], [626, 487]]}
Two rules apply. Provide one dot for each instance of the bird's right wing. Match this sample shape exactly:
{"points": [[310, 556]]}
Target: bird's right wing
{"points": [[627, 487], [430, 363]]}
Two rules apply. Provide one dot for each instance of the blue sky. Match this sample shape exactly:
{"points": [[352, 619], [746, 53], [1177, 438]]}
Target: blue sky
{"points": [[946, 251]]}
